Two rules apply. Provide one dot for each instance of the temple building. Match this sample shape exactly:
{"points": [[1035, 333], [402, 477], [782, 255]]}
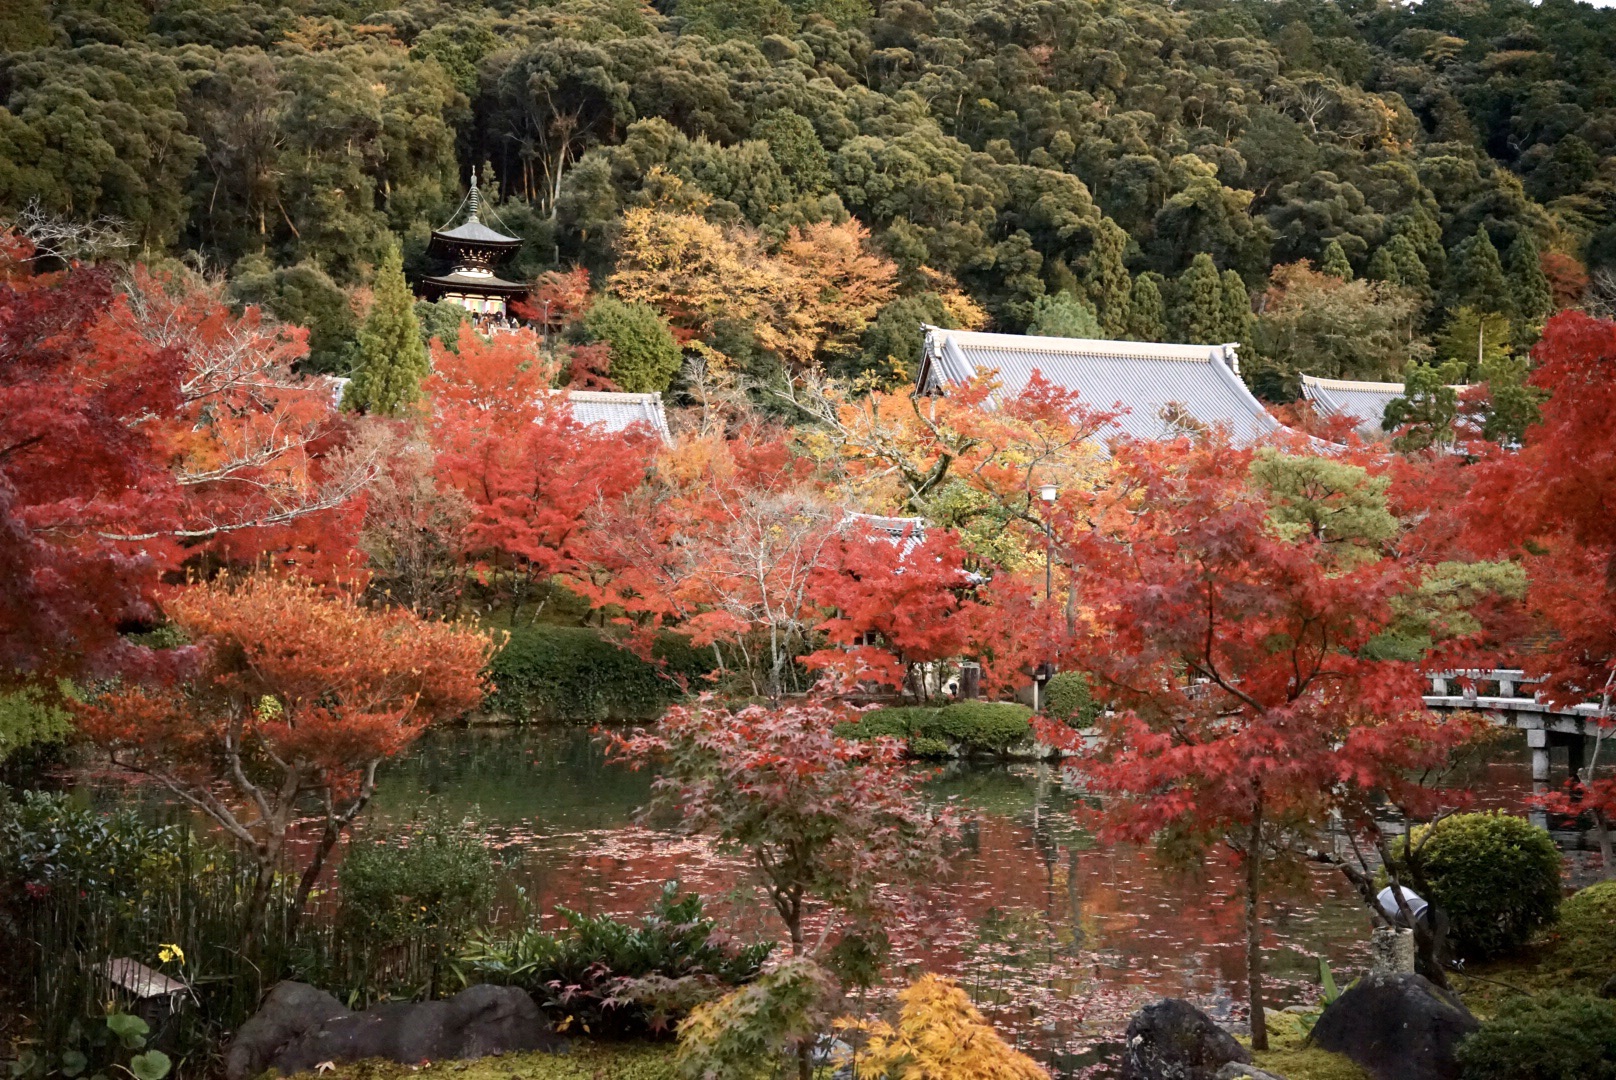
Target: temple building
{"points": [[1158, 391], [472, 250], [1362, 402]]}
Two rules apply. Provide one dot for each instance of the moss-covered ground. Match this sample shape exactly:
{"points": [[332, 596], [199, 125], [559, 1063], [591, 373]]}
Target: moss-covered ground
{"points": [[581, 1061], [1288, 1054]]}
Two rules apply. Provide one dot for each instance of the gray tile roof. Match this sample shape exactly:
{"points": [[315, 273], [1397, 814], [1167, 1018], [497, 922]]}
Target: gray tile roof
{"points": [[615, 412], [475, 232], [1363, 401], [1148, 384]]}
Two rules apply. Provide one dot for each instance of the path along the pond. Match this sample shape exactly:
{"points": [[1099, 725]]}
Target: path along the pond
{"points": [[1059, 938]]}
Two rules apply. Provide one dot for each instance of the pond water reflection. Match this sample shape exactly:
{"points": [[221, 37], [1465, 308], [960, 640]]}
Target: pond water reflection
{"points": [[1059, 938]]}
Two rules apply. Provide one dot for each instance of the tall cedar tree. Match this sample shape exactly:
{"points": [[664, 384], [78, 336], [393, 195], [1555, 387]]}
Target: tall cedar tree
{"points": [[1531, 299], [392, 360], [1198, 315], [1335, 262], [1147, 318], [1552, 501], [300, 697], [1106, 280], [1478, 275], [1226, 615], [1236, 303]]}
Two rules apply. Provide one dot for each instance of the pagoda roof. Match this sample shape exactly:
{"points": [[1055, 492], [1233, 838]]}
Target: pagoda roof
{"points": [[472, 231], [476, 283]]}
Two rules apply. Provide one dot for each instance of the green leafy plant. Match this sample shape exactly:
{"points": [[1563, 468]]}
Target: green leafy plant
{"points": [[1553, 1036], [576, 673], [748, 1033], [1069, 699], [1587, 946], [1496, 876], [608, 976], [422, 892], [983, 727]]}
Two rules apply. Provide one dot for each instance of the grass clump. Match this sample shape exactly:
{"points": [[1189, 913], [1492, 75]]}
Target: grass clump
{"points": [[1289, 1054], [581, 1061]]}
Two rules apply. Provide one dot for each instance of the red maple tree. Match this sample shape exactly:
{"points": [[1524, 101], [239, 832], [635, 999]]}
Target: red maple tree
{"points": [[1227, 625], [1551, 503], [300, 695], [530, 470]]}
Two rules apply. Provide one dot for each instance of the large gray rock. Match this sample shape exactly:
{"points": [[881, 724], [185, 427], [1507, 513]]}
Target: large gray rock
{"points": [[1173, 1040], [1396, 1027], [297, 1029], [1238, 1071]]}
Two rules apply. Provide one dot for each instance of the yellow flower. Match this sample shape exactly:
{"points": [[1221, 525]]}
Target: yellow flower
{"points": [[167, 953]]}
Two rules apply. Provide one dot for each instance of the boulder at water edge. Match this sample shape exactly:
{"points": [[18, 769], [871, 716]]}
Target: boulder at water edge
{"points": [[1173, 1040], [299, 1027], [1396, 1027]]}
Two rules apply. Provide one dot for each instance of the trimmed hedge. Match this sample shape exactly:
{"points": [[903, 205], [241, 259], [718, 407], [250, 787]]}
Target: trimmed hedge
{"points": [[1497, 877], [1552, 1036], [1587, 946], [576, 673], [967, 727], [1069, 699]]}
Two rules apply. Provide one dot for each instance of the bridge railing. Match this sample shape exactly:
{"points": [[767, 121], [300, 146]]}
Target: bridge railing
{"points": [[1488, 683]]}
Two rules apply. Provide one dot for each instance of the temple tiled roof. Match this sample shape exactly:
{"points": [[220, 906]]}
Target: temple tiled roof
{"points": [[1159, 390], [475, 283], [1365, 402], [616, 412]]}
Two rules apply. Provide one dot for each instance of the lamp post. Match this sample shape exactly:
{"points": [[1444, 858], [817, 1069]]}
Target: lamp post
{"points": [[1048, 493]]}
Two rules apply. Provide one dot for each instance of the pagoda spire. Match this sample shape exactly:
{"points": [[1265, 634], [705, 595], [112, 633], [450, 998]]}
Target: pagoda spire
{"points": [[474, 201]]}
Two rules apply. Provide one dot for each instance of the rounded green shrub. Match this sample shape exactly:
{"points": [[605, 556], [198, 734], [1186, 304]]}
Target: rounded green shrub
{"points": [[1588, 933], [1496, 876], [1553, 1036], [982, 726], [1069, 699], [645, 355], [576, 673]]}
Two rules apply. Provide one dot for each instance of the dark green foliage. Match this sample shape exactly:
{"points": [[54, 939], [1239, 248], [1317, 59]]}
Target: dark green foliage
{"points": [[1064, 315], [391, 360], [968, 727], [1069, 699], [576, 674], [441, 321], [414, 897], [1424, 415], [1397, 263], [1106, 279], [1335, 261], [1478, 275], [797, 149], [1529, 293], [1551, 1036], [31, 719], [645, 356], [1497, 877], [616, 978], [1147, 319], [892, 342], [1198, 313], [1587, 933], [1236, 304], [305, 295]]}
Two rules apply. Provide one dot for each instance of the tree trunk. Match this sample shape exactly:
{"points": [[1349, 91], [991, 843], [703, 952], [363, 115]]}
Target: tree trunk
{"points": [[258, 903], [1602, 830], [1254, 979], [311, 874]]}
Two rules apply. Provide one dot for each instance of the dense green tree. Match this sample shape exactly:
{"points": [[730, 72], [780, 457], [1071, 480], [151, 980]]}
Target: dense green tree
{"points": [[1199, 316], [392, 360], [1478, 275], [1396, 262], [1531, 300], [1236, 304], [1424, 415], [1147, 315], [1106, 279], [1064, 315], [1474, 338], [1335, 261], [305, 295], [441, 322], [645, 356]]}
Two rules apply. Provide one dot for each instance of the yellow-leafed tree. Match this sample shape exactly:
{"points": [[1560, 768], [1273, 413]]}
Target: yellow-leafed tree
{"points": [[940, 1036]]}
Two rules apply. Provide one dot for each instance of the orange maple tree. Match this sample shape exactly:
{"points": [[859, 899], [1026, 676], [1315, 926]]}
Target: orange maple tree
{"points": [[298, 696]]}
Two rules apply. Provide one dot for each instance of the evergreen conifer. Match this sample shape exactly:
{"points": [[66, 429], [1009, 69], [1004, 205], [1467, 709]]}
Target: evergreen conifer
{"points": [[1106, 279], [1147, 316], [1237, 317], [1528, 285], [1198, 314], [1478, 275], [1335, 262], [392, 359]]}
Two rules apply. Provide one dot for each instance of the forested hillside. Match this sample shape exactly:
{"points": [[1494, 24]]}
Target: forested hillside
{"points": [[1125, 167]]}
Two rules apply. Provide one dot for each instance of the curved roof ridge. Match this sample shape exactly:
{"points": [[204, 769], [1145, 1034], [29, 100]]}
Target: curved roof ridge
{"points": [[980, 339], [1353, 384]]}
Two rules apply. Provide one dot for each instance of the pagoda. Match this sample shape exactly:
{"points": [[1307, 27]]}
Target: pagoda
{"points": [[472, 249]]}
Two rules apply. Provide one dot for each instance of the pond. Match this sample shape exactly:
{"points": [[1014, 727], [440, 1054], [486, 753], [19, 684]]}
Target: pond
{"points": [[1058, 938]]}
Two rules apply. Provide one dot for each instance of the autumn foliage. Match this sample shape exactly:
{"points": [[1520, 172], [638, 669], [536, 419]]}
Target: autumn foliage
{"points": [[299, 696], [939, 1035]]}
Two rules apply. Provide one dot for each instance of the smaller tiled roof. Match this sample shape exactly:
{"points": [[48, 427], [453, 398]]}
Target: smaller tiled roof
{"points": [[617, 411], [1364, 402], [1163, 390], [475, 283], [475, 232]]}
